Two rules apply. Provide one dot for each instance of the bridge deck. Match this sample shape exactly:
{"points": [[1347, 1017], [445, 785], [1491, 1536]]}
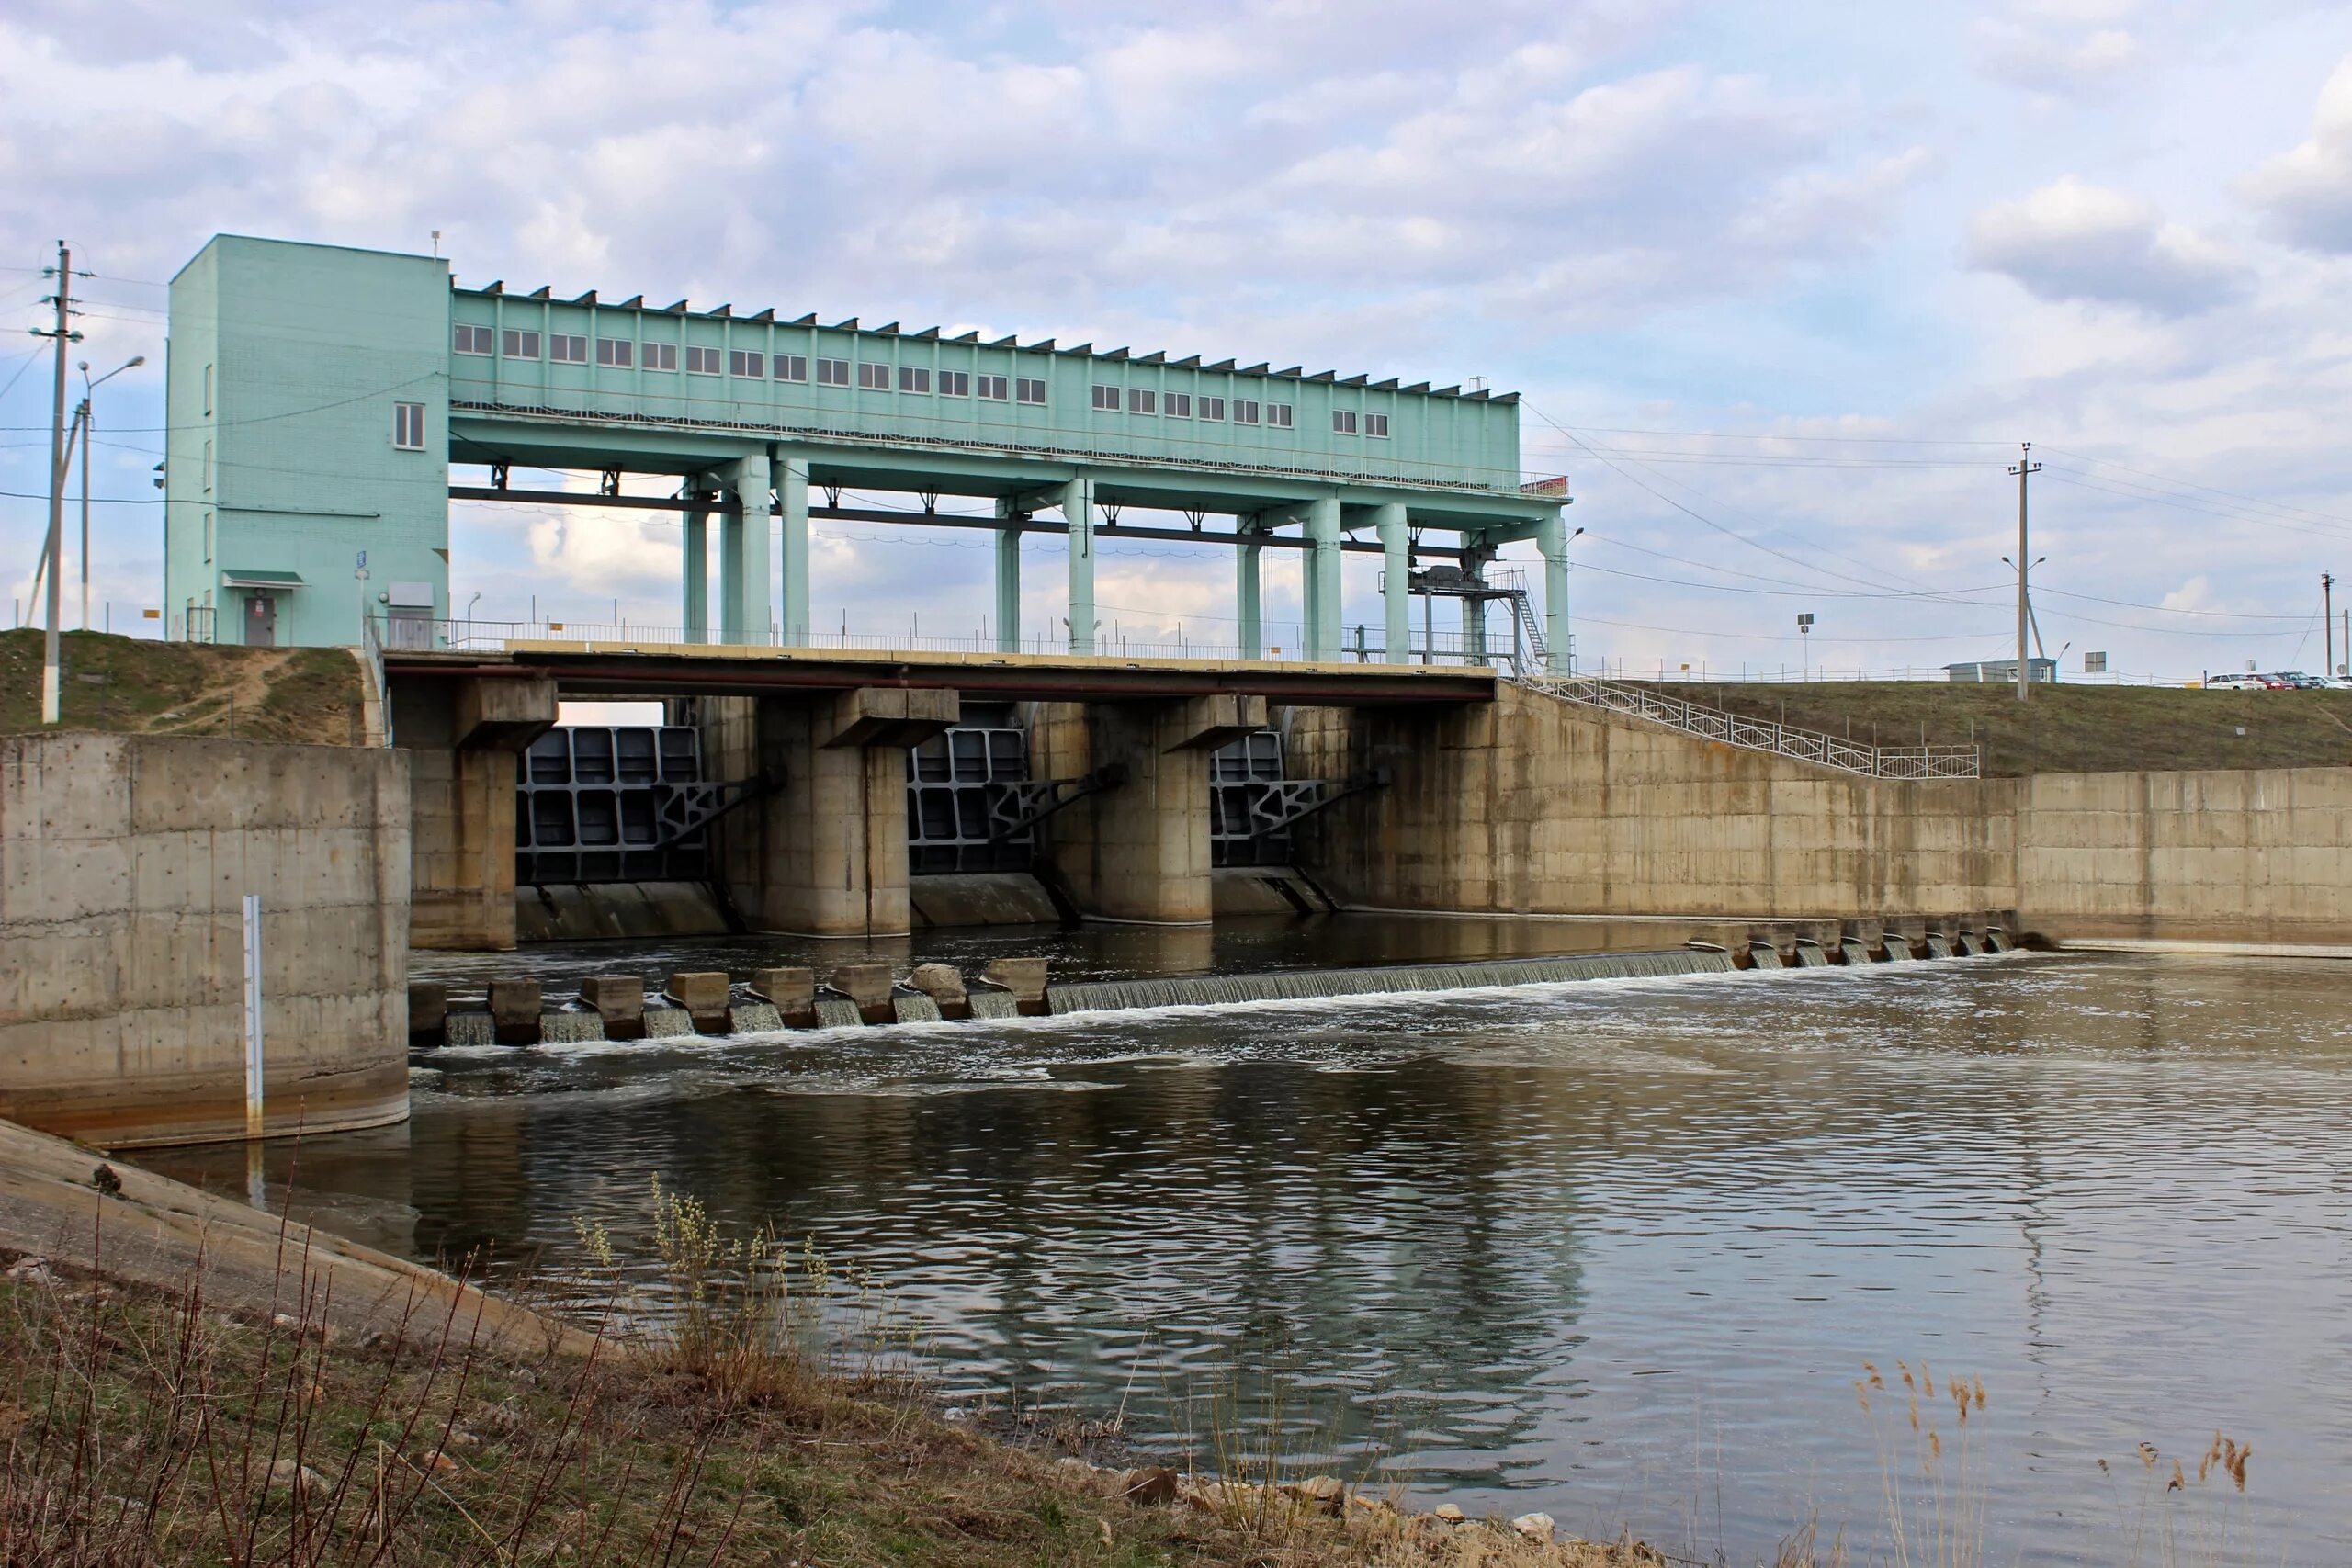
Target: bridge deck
{"points": [[636, 669]]}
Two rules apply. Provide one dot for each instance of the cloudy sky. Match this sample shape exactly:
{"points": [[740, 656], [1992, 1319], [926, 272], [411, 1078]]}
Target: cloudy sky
{"points": [[1783, 286]]}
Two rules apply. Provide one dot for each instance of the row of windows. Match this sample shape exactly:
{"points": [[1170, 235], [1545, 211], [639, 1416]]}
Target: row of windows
{"points": [[623, 353], [1244, 411]]}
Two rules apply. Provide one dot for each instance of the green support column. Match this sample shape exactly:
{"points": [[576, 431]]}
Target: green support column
{"points": [[1246, 596], [743, 555], [791, 503], [1397, 580], [1077, 508], [1552, 540], [1008, 579], [1322, 575], [1473, 609], [698, 572]]}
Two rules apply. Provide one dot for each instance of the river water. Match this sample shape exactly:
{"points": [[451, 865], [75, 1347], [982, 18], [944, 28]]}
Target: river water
{"points": [[1615, 1250]]}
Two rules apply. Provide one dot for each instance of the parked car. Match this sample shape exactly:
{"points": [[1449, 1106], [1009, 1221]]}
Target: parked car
{"points": [[2237, 684], [2338, 682], [2295, 681]]}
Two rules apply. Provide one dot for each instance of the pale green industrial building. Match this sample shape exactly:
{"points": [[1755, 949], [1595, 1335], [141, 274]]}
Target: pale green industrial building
{"points": [[319, 395]]}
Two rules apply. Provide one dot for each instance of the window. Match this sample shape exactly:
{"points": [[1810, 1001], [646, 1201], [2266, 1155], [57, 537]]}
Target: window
{"points": [[872, 377], [566, 349], [701, 361], [470, 340], [995, 388], [408, 426], [1375, 424], [660, 355], [208, 466], [1343, 421], [792, 367], [1211, 408], [1141, 401], [747, 362], [1029, 390], [519, 345], [1106, 398], [208, 536], [1179, 405], [1278, 415], [618, 352], [208, 389], [955, 383], [913, 379], [1245, 411], [832, 372]]}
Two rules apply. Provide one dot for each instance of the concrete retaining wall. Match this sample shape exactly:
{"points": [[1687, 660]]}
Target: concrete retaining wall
{"points": [[1532, 804], [123, 862]]}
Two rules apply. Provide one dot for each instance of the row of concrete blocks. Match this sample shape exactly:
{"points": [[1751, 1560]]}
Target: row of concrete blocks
{"points": [[1805, 943], [614, 1007]]}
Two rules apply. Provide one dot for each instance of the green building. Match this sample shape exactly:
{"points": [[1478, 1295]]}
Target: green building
{"points": [[318, 396]]}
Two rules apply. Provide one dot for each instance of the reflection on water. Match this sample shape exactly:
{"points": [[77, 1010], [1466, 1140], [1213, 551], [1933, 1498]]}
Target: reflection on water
{"points": [[1613, 1250]]}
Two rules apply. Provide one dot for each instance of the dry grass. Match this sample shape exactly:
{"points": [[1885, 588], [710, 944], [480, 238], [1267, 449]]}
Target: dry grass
{"points": [[144, 687]]}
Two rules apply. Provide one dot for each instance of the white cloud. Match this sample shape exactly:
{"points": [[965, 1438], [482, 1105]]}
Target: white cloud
{"points": [[2306, 192], [2072, 241]]}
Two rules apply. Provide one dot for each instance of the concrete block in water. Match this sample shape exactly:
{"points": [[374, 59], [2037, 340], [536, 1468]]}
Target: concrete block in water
{"points": [[569, 1028], [1024, 977], [428, 1014], [620, 1001], [514, 1011], [668, 1022], [794, 992], [749, 1018], [867, 984], [706, 995], [944, 987]]}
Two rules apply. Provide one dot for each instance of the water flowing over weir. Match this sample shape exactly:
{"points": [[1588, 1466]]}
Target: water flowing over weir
{"points": [[1302, 985]]}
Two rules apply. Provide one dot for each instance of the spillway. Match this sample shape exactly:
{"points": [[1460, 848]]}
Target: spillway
{"points": [[1300, 984]]}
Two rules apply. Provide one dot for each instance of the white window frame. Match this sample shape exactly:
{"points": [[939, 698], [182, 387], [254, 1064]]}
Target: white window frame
{"points": [[832, 372], [1143, 399], [1214, 409], [1377, 426], [702, 360], [955, 383], [790, 367], [408, 426], [1023, 386], [1176, 405], [208, 468], [1278, 415], [1245, 411], [519, 343], [915, 378], [616, 352], [873, 375], [207, 388], [661, 356], [1344, 421], [1106, 398], [752, 363], [465, 335], [993, 389], [211, 536], [567, 348]]}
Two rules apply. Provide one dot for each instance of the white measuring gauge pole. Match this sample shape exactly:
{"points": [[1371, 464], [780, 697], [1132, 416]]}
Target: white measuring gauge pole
{"points": [[252, 1015]]}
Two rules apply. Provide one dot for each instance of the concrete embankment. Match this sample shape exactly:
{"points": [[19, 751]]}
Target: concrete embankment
{"points": [[1532, 805], [124, 863]]}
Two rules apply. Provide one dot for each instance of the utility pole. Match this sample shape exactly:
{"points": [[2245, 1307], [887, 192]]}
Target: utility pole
{"points": [[2328, 620], [2024, 468], [51, 681], [83, 416]]}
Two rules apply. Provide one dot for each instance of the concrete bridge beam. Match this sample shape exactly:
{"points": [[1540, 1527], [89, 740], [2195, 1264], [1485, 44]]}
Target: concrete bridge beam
{"points": [[463, 737], [1140, 851]]}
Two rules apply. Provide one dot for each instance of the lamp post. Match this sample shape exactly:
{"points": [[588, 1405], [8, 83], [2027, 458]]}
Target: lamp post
{"points": [[84, 417], [1804, 654]]}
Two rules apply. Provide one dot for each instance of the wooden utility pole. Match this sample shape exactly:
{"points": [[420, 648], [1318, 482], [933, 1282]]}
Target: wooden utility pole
{"points": [[2024, 468]]}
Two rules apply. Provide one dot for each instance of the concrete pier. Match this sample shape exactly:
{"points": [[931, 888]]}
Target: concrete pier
{"points": [[462, 736]]}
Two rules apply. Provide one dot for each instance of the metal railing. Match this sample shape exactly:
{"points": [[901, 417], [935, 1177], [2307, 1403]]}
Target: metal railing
{"points": [[1764, 735]]}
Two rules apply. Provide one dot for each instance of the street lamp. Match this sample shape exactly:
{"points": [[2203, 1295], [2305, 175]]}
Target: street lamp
{"points": [[82, 418], [1805, 656]]}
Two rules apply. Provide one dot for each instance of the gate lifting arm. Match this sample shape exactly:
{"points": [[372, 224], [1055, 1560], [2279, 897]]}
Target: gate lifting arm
{"points": [[1014, 808], [1277, 805], [680, 812]]}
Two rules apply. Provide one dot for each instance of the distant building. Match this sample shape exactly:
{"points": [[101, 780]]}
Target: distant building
{"points": [[2004, 671]]}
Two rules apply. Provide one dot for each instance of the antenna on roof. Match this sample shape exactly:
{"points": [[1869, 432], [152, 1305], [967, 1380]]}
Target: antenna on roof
{"points": [[436, 245]]}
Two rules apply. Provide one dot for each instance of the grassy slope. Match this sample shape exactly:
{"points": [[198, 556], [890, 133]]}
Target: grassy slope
{"points": [[2063, 728], [124, 684]]}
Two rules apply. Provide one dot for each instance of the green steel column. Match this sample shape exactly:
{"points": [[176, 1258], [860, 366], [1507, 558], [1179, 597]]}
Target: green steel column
{"points": [[792, 502], [1397, 580], [1552, 540], [743, 555], [1473, 609], [1323, 630], [1008, 579], [697, 571], [1246, 596], [1078, 507]]}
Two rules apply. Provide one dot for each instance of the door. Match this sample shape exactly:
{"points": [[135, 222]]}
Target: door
{"points": [[261, 620]]}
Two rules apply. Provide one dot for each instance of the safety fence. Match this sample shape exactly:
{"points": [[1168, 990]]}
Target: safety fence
{"points": [[1763, 735]]}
